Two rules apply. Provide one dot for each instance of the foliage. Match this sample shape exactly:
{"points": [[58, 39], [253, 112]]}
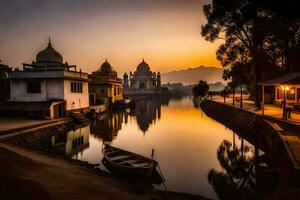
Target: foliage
{"points": [[201, 89], [260, 39]]}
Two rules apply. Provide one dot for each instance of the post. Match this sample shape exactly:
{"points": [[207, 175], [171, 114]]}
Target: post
{"points": [[233, 96], [263, 99], [284, 104], [241, 101]]}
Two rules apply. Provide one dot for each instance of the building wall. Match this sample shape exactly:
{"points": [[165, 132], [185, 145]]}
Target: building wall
{"points": [[137, 80], [54, 89], [76, 100], [50, 90], [106, 91], [18, 91]]}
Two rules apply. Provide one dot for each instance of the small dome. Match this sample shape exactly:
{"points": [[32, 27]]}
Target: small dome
{"points": [[143, 67], [105, 67], [49, 55]]}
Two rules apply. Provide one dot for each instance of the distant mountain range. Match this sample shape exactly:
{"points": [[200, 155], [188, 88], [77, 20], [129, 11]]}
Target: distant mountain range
{"points": [[193, 75]]}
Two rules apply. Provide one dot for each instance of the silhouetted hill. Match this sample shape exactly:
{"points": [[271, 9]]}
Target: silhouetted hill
{"points": [[193, 75]]}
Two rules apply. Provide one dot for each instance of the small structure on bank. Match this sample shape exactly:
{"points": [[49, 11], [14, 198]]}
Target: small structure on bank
{"points": [[104, 85], [285, 87], [47, 88], [142, 82]]}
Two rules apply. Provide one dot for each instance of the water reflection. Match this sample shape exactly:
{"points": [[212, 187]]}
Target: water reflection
{"points": [[185, 141], [235, 180], [106, 126], [196, 154], [70, 143], [146, 113]]}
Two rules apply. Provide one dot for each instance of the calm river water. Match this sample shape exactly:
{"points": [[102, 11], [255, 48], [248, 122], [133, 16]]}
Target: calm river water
{"points": [[185, 140]]}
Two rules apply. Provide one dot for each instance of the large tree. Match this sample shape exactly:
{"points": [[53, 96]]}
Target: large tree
{"points": [[248, 30]]}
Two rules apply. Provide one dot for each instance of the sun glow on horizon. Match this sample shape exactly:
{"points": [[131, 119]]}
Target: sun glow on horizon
{"points": [[166, 34]]}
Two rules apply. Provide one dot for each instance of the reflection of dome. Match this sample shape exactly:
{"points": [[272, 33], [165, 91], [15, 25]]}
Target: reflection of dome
{"points": [[105, 67], [49, 55], [143, 68]]}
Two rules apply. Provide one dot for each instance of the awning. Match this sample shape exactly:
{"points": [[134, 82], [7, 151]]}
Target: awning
{"points": [[287, 79]]}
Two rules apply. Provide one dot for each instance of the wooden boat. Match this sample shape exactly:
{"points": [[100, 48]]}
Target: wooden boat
{"points": [[128, 162]]}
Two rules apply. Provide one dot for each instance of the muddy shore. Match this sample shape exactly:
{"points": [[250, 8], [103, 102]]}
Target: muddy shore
{"points": [[28, 174]]}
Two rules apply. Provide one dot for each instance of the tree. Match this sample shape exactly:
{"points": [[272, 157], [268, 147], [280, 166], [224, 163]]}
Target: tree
{"points": [[201, 89], [248, 30]]}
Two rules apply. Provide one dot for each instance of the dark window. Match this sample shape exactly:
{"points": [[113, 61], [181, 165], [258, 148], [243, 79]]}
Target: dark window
{"points": [[76, 87], [34, 87]]}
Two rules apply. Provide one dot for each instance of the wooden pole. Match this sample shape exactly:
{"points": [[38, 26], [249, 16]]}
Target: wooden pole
{"points": [[284, 104], [233, 96], [241, 103], [263, 99]]}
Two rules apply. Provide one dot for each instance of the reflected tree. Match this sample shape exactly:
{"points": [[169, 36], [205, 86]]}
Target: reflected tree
{"points": [[236, 164]]}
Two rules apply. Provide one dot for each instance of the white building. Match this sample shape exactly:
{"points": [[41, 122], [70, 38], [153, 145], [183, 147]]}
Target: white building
{"points": [[142, 81], [48, 87]]}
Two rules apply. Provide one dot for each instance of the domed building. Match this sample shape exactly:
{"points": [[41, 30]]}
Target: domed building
{"points": [[49, 88], [104, 85], [142, 81]]}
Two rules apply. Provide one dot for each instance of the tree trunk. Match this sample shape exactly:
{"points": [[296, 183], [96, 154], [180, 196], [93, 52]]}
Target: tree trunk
{"points": [[233, 96], [257, 81], [241, 102], [242, 147], [233, 139]]}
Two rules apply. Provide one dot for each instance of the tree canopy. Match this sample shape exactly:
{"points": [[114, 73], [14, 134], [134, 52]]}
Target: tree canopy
{"points": [[201, 89], [261, 38]]}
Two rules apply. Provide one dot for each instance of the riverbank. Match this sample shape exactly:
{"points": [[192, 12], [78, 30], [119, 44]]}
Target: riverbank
{"points": [[39, 175], [29, 171]]}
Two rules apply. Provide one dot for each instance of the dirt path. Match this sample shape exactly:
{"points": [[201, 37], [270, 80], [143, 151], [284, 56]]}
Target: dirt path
{"points": [[25, 174]]}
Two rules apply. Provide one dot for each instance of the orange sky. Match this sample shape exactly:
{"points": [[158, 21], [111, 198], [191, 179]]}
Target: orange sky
{"points": [[165, 33]]}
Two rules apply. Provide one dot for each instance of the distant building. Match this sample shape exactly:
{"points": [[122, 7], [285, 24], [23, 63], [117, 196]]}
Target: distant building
{"points": [[4, 82], [48, 87], [104, 85], [142, 81]]}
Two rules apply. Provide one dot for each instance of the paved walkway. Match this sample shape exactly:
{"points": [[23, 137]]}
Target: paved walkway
{"points": [[270, 110], [13, 123]]}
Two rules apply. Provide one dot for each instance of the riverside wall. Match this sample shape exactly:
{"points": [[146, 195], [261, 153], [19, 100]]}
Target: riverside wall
{"points": [[254, 128]]}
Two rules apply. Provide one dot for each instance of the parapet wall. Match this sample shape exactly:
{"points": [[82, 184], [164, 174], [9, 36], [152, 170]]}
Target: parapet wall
{"points": [[250, 126]]}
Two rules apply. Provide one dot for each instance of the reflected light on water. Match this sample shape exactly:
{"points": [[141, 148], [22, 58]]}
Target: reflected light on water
{"points": [[185, 142]]}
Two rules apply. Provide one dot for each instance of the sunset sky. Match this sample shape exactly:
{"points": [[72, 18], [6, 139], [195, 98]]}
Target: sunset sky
{"points": [[165, 32]]}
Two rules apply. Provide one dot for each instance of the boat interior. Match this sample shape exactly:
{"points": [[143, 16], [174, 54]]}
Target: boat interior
{"points": [[127, 159]]}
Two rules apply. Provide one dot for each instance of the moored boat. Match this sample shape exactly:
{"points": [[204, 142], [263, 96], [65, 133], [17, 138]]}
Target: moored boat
{"points": [[128, 162]]}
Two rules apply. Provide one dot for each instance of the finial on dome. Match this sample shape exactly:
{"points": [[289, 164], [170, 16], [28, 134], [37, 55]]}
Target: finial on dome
{"points": [[49, 43]]}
